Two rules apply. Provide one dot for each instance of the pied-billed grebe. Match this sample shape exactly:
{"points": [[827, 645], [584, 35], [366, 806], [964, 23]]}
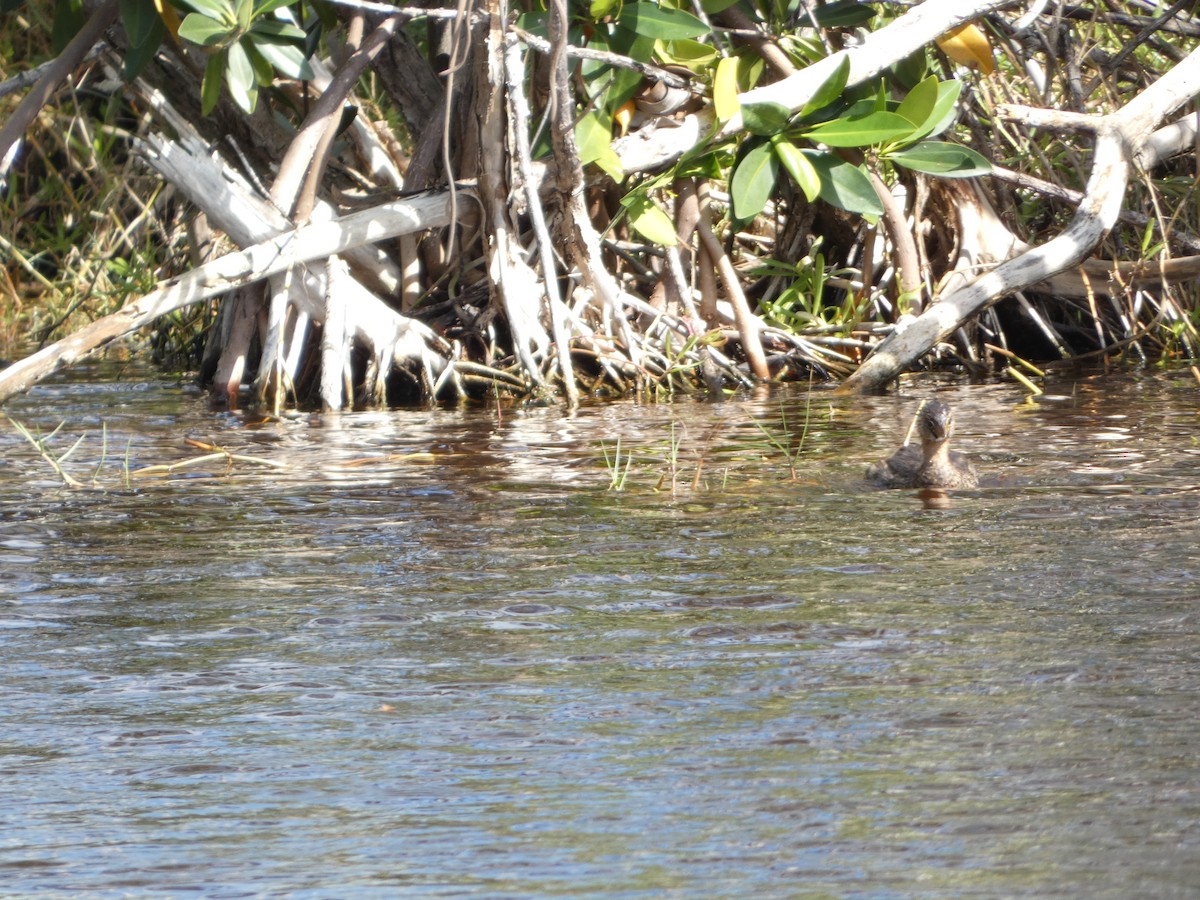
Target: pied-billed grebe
{"points": [[932, 464]]}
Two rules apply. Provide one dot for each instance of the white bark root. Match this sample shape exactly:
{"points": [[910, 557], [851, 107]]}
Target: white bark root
{"points": [[369, 320], [1119, 138], [514, 68]]}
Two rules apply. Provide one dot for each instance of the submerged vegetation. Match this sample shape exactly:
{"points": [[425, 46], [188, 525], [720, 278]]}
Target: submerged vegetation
{"points": [[499, 200]]}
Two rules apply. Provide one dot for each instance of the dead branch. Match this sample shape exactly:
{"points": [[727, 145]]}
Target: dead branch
{"points": [[1118, 138], [271, 257]]}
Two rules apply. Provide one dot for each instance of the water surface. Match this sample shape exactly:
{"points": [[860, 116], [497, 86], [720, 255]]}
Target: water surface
{"points": [[432, 653]]}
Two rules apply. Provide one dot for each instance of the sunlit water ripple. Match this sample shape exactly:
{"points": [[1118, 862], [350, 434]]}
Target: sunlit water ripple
{"points": [[431, 653]]}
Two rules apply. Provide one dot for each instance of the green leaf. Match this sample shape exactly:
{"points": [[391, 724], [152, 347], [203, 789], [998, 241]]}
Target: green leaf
{"points": [[600, 9], [941, 158], [139, 56], [692, 54], [881, 97], [593, 135], [138, 17], [845, 186], [919, 104], [204, 31], [239, 76], [221, 10], [276, 30], [264, 72], [269, 6], [943, 113], [661, 22], [798, 167], [765, 118], [861, 131], [750, 70], [649, 220], [245, 14], [712, 7], [843, 13], [210, 90], [287, 59], [830, 91], [611, 85], [725, 89], [753, 180], [69, 17]]}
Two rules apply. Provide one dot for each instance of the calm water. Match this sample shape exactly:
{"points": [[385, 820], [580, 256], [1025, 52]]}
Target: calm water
{"points": [[434, 655]]}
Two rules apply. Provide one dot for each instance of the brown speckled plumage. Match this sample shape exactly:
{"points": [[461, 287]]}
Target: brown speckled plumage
{"points": [[932, 464]]}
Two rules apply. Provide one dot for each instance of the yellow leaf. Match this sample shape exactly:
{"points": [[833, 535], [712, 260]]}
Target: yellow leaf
{"points": [[623, 115], [170, 18], [725, 92], [968, 46]]}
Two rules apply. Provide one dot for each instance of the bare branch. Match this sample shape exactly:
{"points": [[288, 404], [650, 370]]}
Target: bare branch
{"points": [[1119, 136]]}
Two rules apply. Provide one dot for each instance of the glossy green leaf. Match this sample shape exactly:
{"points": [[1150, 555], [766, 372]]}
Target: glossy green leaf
{"points": [[753, 181], [798, 167], [244, 10], [844, 185], [941, 158], [204, 31], [239, 76], [919, 104], [944, 110], [861, 131], [277, 30], [649, 220], [750, 71], [210, 89], [600, 9], [830, 91], [765, 118], [661, 22], [287, 59], [69, 17], [139, 56], [613, 85], [693, 55], [712, 7], [221, 10], [593, 136], [264, 72], [268, 6], [725, 89], [138, 17], [536, 21], [843, 13]]}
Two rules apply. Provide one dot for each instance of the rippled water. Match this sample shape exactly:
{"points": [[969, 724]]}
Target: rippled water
{"points": [[431, 653]]}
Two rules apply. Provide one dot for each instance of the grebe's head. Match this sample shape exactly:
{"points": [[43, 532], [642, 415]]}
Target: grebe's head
{"points": [[935, 422]]}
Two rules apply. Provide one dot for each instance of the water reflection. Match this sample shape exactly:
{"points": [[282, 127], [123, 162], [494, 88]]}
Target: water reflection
{"points": [[932, 498], [436, 655]]}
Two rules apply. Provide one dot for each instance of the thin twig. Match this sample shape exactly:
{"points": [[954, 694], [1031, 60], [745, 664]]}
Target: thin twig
{"points": [[541, 45]]}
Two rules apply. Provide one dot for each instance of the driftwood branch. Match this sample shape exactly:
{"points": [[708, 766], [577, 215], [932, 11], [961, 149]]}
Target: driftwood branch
{"points": [[271, 257], [1119, 137]]}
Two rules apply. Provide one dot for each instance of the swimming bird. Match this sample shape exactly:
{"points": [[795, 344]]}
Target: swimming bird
{"points": [[932, 464]]}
